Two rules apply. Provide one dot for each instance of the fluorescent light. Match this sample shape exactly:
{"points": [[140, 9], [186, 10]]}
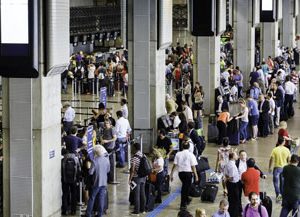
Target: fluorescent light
{"points": [[14, 22], [267, 5]]}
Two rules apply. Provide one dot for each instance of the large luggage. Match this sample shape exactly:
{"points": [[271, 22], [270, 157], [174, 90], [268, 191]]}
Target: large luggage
{"points": [[209, 193], [212, 133], [233, 132], [195, 190], [150, 196], [202, 179], [266, 200], [166, 189]]}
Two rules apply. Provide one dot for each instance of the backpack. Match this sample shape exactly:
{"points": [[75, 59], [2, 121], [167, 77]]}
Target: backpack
{"points": [[145, 167], [247, 206], [69, 169]]}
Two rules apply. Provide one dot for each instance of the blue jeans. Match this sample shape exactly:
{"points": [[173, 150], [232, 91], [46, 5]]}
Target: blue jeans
{"points": [[102, 191], [276, 180], [120, 144], [139, 194], [243, 129], [288, 206], [166, 166]]}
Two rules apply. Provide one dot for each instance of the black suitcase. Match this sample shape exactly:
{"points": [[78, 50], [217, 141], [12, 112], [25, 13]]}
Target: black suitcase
{"points": [[266, 200], [209, 193], [150, 196], [195, 190], [212, 133], [202, 178], [166, 189]]}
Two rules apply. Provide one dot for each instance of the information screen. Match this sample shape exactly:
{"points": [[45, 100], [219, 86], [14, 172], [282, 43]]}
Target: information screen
{"points": [[267, 5], [14, 21]]}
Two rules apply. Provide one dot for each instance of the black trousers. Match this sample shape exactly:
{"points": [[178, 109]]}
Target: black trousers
{"points": [[263, 124], [233, 199], [158, 185], [186, 179], [288, 104], [69, 197], [222, 131]]}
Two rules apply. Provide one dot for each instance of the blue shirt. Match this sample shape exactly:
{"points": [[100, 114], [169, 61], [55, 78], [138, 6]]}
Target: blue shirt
{"points": [[253, 107], [100, 167], [72, 143], [219, 214]]}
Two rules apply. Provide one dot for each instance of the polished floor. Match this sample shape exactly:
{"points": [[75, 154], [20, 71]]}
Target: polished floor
{"points": [[118, 194]]}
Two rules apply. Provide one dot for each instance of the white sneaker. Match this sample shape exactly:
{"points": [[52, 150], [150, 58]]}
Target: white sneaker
{"points": [[278, 198]]}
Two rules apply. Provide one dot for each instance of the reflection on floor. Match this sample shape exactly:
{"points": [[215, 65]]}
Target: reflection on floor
{"points": [[118, 194]]}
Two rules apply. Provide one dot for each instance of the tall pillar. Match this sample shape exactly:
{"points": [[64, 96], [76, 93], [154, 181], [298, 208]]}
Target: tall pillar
{"points": [[288, 26], [208, 68], [244, 37], [146, 69], [32, 128], [269, 39], [124, 22], [298, 25]]}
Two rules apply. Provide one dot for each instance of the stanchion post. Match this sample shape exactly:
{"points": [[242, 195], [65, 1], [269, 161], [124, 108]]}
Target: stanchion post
{"points": [[141, 141], [97, 88], [79, 88], [80, 197], [128, 158], [114, 182]]}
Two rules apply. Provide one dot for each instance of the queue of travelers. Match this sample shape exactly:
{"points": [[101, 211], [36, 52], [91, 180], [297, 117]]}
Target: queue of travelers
{"points": [[264, 107]]}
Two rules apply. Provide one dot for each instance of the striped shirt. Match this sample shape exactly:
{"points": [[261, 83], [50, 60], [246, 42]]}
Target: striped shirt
{"points": [[135, 160]]}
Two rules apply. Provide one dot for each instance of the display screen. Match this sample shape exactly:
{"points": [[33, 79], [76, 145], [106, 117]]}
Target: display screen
{"points": [[267, 5], [14, 22]]}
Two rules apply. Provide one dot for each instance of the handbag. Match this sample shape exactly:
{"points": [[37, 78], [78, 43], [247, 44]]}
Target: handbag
{"points": [[202, 164]]}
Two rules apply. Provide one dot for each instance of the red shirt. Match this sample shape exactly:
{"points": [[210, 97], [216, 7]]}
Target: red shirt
{"points": [[250, 180], [284, 132]]}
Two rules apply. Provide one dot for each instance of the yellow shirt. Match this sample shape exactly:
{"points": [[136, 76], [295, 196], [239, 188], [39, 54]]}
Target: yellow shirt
{"points": [[280, 156]]}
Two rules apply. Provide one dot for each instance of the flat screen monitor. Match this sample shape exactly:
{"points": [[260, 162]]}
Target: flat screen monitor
{"points": [[17, 37]]}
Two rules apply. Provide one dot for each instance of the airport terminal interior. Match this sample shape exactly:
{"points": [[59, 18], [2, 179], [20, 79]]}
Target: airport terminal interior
{"points": [[117, 73]]}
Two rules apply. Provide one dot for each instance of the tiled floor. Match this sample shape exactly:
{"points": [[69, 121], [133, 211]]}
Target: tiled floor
{"points": [[260, 150]]}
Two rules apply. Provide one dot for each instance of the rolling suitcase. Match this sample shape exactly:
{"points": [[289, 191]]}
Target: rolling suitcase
{"points": [[195, 190], [150, 196], [266, 200], [212, 133], [209, 193], [233, 132], [166, 189]]}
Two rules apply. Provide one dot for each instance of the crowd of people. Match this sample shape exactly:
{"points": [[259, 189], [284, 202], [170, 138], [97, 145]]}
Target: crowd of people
{"points": [[265, 106], [89, 73]]}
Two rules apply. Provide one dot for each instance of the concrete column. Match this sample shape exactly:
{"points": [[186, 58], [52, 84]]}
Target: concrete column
{"points": [[269, 39], [298, 26], [288, 26], [32, 128], [208, 68], [124, 22], [146, 69], [244, 37]]}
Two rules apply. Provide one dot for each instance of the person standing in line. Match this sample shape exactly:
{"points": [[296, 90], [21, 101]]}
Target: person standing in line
{"points": [[271, 112], [291, 187], [186, 162], [99, 168], [253, 114], [244, 120], [290, 89], [69, 117], [164, 142], [254, 208], [232, 182], [123, 130], [124, 108], [280, 156], [139, 182], [263, 121], [223, 209], [223, 119]]}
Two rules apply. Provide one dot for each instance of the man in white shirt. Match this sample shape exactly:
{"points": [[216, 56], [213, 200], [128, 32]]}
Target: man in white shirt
{"points": [[123, 130], [187, 111], [271, 112], [68, 117], [124, 108], [186, 162], [290, 88], [232, 179], [91, 75]]}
